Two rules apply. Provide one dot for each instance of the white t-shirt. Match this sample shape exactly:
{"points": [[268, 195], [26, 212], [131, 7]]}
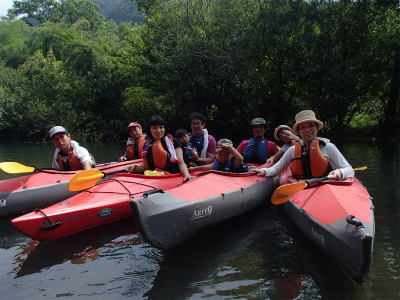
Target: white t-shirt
{"points": [[80, 152], [329, 151]]}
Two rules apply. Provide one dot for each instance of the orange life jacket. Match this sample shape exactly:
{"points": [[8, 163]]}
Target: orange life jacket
{"points": [[71, 163], [311, 163], [130, 149]]}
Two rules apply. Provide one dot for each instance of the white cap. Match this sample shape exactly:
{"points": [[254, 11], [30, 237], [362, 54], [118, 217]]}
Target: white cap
{"points": [[57, 129]]}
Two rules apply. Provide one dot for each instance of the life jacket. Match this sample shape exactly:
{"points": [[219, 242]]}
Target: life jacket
{"points": [[186, 152], [228, 167], [158, 157], [311, 163], [135, 149], [70, 163], [198, 144], [256, 152], [225, 167]]}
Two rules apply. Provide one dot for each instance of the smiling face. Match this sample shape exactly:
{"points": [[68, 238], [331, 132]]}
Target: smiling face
{"points": [[135, 132], [284, 135], [224, 156], [308, 131], [259, 131], [157, 131], [61, 141], [197, 127]]}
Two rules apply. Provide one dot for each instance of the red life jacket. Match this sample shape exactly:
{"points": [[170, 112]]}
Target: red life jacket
{"points": [[311, 163], [72, 163], [130, 149]]}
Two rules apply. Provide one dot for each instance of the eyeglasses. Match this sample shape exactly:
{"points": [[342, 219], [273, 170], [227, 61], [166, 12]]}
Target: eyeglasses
{"points": [[196, 124]]}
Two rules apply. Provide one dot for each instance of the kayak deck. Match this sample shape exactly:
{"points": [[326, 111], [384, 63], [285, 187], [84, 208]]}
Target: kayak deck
{"points": [[339, 218]]}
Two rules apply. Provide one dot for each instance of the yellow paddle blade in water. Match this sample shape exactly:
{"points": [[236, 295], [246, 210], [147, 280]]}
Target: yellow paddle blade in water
{"points": [[282, 193], [15, 168], [85, 179], [360, 168]]}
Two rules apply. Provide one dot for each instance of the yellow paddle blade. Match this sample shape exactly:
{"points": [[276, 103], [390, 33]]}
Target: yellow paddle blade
{"points": [[149, 172], [15, 168], [282, 193], [360, 168], [85, 179]]}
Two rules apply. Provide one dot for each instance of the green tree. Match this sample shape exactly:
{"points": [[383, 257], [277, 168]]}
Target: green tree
{"points": [[65, 11]]}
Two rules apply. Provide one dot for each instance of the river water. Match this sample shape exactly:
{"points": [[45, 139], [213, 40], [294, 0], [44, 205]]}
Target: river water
{"points": [[259, 255]]}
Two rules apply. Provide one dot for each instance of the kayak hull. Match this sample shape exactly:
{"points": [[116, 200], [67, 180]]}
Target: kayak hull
{"points": [[104, 203], [38, 190], [339, 219], [171, 218]]}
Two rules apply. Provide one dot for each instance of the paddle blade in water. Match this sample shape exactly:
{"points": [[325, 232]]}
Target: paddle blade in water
{"points": [[282, 193], [15, 168], [360, 168], [85, 179]]}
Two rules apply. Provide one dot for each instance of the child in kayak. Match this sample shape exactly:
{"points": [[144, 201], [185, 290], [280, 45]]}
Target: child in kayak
{"points": [[228, 159], [189, 152]]}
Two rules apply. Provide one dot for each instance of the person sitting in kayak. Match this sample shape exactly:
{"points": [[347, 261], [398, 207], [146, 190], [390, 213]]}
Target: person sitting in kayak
{"points": [[284, 134], [135, 143], [228, 159], [161, 152], [189, 152], [201, 139], [258, 149], [311, 156], [69, 156]]}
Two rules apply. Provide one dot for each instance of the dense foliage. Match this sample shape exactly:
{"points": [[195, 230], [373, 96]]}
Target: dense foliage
{"points": [[63, 63]]}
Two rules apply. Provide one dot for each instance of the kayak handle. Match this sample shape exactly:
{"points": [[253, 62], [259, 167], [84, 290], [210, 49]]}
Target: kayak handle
{"points": [[51, 225], [148, 193], [350, 220]]}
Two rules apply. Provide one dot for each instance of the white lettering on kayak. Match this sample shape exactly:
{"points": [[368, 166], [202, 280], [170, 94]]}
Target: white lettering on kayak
{"points": [[201, 212], [319, 236], [3, 202]]}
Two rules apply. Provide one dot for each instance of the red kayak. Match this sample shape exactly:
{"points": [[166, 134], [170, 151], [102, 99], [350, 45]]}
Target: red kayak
{"points": [[41, 189], [103, 203], [337, 216]]}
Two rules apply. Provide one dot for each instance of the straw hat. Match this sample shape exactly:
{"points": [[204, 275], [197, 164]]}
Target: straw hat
{"points": [[306, 116], [279, 128]]}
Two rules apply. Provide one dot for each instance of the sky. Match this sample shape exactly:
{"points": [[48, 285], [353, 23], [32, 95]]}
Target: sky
{"points": [[4, 5]]}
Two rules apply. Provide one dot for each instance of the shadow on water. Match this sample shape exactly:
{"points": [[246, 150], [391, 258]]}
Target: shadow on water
{"points": [[78, 248], [232, 258], [261, 250]]}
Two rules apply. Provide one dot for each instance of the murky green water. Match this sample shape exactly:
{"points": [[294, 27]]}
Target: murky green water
{"points": [[259, 255]]}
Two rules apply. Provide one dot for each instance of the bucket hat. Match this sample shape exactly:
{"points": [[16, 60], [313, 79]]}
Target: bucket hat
{"points": [[57, 129], [224, 141], [279, 128], [132, 125], [306, 116], [258, 121]]}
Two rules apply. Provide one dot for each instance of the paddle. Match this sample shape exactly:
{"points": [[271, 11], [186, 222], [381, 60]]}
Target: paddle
{"points": [[283, 193], [15, 168], [360, 168], [88, 178]]}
